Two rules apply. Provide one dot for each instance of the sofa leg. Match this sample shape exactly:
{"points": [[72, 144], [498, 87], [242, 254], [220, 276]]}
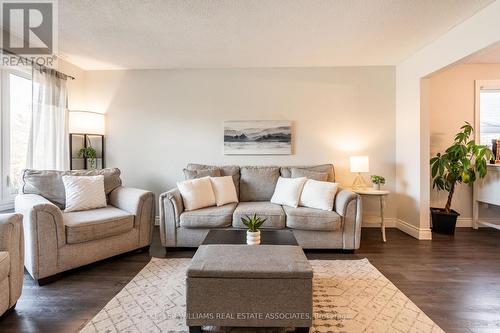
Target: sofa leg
{"points": [[48, 279], [144, 249], [9, 310], [301, 329], [194, 329]]}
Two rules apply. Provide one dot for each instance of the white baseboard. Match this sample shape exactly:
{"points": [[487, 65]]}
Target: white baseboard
{"points": [[410, 229], [426, 234], [466, 222], [392, 222], [374, 222]]}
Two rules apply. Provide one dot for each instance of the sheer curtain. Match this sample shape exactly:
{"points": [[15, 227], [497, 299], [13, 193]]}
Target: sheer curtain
{"points": [[49, 140]]}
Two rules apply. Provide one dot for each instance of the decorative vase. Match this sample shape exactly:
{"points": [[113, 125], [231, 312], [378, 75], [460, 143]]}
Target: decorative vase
{"points": [[376, 186], [253, 237]]}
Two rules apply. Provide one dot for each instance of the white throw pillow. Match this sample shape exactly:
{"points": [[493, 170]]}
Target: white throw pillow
{"points": [[84, 192], [287, 191], [224, 190], [196, 193], [319, 195]]}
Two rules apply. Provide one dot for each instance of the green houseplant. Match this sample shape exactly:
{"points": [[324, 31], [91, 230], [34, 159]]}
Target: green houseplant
{"points": [[463, 162], [89, 153], [377, 181], [253, 224]]}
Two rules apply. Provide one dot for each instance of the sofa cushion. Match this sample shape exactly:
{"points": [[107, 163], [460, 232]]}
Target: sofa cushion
{"points": [[309, 174], [95, 224], [196, 193], [303, 218], [288, 191], [84, 192], [257, 183], [260, 262], [286, 171], [4, 265], [224, 190], [49, 184], [192, 174], [225, 170], [318, 195], [210, 217], [272, 212]]}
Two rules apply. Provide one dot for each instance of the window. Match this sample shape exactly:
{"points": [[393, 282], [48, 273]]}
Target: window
{"points": [[489, 104], [15, 125]]}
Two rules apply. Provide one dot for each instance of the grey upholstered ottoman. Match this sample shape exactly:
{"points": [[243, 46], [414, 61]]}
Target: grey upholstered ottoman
{"points": [[249, 286]]}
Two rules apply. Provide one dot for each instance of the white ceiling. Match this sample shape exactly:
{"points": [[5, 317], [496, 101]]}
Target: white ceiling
{"points": [[489, 55], [133, 34]]}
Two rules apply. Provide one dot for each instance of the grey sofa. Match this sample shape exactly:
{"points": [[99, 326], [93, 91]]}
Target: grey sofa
{"points": [[56, 241], [11, 260], [313, 228]]}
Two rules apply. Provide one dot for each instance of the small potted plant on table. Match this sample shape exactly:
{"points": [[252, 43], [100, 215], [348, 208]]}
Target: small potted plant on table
{"points": [[377, 181], [253, 224], [462, 162]]}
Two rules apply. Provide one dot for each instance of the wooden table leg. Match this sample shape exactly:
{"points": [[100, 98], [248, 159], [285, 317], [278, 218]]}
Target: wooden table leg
{"points": [[382, 221], [194, 329]]}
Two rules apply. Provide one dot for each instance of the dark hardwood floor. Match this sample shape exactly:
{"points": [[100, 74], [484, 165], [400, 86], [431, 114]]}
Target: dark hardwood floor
{"points": [[454, 280]]}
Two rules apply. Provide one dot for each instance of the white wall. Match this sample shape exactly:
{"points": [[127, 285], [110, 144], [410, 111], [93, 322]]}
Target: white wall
{"points": [[160, 120], [452, 97], [412, 121], [76, 87]]}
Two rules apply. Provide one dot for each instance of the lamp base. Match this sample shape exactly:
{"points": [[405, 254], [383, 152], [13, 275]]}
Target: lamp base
{"points": [[359, 182]]}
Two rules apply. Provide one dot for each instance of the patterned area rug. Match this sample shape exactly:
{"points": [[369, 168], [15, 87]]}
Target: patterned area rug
{"points": [[348, 296]]}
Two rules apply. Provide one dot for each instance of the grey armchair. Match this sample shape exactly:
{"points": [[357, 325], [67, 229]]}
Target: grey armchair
{"points": [[56, 241], [11, 260]]}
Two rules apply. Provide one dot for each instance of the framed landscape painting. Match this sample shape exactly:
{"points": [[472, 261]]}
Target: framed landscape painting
{"points": [[258, 137]]}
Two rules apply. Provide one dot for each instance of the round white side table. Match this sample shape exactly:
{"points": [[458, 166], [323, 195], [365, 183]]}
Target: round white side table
{"points": [[381, 194]]}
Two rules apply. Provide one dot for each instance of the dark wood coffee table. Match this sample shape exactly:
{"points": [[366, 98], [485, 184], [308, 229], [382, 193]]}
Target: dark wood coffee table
{"points": [[267, 237]]}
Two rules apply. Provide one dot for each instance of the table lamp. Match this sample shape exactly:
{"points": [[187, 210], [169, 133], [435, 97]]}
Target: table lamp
{"points": [[359, 164]]}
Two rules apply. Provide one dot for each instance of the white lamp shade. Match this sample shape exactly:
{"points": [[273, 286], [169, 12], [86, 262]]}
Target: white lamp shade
{"points": [[86, 122], [360, 164]]}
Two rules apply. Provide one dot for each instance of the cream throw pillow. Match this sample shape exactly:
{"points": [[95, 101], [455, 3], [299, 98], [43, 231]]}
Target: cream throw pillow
{"points": [[287, 191], [84, 192], [196, 193], [224, 190], [319, 195]]}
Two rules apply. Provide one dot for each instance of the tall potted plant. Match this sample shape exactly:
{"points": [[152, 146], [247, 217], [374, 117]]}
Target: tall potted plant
{"points": [[463, 162]]}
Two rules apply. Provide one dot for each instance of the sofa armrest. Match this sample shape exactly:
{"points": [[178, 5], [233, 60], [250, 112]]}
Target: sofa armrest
{"points": [[348, 205], [12, 241], [40, 215], [44, 233], [171, 207], [140, 203]]}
